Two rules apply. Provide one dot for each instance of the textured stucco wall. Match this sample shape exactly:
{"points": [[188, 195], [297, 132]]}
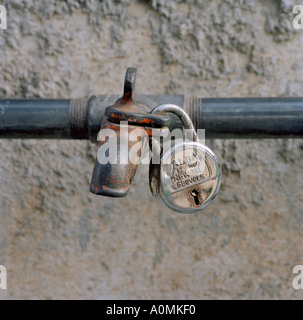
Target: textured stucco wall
{"points": [[59, 241]]}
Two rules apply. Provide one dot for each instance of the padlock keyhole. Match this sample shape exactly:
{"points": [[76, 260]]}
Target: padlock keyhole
{"points": [[195, 195]]}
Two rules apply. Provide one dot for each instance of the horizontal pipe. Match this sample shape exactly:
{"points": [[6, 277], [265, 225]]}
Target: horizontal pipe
{"points": [[34, 119], [225, 118], [253, 117]]}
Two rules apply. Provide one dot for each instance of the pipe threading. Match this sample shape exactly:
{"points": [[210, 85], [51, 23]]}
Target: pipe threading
{"points": [[78, 117], [193, 107]]}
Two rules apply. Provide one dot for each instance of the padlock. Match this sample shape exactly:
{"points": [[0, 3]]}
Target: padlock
{"points": [[188, 177]]}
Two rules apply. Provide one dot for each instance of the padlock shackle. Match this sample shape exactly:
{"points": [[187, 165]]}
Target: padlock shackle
{"points": [[183, 116]]}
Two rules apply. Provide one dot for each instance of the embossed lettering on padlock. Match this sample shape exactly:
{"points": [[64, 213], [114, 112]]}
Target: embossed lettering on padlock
{"points": [[189, 174]]}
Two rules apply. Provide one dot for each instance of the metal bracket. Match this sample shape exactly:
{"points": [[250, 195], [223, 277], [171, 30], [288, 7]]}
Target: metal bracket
{"points": [[128, 109]]}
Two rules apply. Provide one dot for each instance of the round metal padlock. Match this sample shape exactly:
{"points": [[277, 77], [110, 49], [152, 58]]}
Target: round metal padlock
{"points": [[188, 177]]}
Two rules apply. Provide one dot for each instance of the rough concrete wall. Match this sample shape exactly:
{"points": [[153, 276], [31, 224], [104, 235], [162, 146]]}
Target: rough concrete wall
{"points": [[59, 241]]}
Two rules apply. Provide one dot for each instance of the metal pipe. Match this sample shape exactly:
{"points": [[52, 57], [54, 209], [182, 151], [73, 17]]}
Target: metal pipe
{"points": [[34, 119], [253, 118], [239, 118]]}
